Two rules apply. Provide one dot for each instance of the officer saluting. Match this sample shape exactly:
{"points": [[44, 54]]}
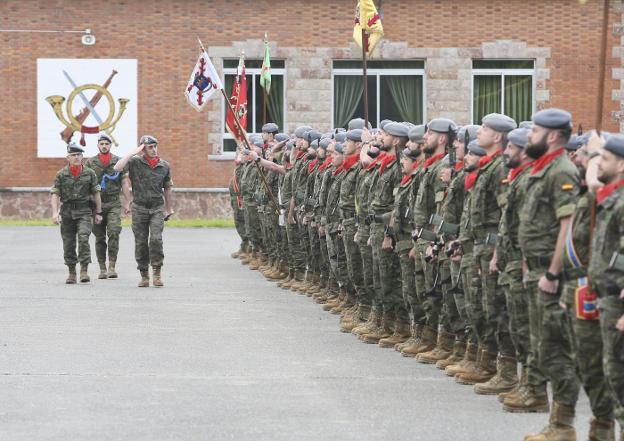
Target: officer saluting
{"points": [[149, 176], [72, 190]]}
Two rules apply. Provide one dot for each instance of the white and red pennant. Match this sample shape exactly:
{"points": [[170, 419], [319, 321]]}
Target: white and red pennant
{"points": [[203, 83]]}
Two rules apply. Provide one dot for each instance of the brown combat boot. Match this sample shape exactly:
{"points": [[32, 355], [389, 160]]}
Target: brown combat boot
{"points": [[524, 378], [486, 369], [255, 261], [84, 273], [384, 329], [359, 318], [410, 348], [401, 334], [459, 349], [531, 399], [410, 340], [428, 340], [468, 363], [71, 277], [506, 377], [442, 350], [246, 257], [560, 426], [602, 430], [112, 274], [289, 277], [366, 327], [144, 282], [156, 276], [103, 271]]}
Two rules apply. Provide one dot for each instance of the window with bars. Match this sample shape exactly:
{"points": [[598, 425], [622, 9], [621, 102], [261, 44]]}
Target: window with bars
{"points": [[503, 86], [395, 91], [256, 110]]}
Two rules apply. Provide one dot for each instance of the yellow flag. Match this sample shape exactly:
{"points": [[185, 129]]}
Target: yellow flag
{"points": [[367, 18]]}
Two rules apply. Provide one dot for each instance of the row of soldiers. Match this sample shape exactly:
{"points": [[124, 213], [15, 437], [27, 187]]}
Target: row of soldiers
{"points": [[477, 248]]}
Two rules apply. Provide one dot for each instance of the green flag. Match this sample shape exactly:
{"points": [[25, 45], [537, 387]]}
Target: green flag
{"points": [[265, 75]]}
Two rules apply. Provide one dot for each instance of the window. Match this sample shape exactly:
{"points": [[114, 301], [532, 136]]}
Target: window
{"points": [[395, 91], [503, 86], [255, 97]]}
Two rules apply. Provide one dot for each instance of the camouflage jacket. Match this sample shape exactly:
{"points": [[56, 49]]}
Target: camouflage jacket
{"points": [[326, 184], [332, 214], [367, 179], [300, 181], [112, 187], [75, 193], [485, 211], [453, 204], [348, 187], [382, 193], [249, 182], [402, 212], [429, 195], [148, 183]]}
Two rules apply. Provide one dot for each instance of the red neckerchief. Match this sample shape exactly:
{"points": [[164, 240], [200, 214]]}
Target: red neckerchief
{"points": [[604, 192], [376, 160], [338, 170], [470, 180], [75, 170], [325, 164], [105, 158], [152, 161], [299, 154], [459, 166], [350, 161], [435, 158], [487, 159], [546, 159], [385, 161], [409, 176], [311, 165], [513, 174]]}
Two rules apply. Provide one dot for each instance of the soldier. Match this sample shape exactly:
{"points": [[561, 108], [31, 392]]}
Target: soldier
{"points": [[73, 187], [152, 204], [551, 191], [236, 202], [250, 183], [112, 184], [498, 369], [606, 267]]}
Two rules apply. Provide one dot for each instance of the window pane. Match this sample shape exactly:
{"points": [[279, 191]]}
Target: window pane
{"points": [[349, 99], [233, 63], [229, 145], [486, 96], [502, 64], [229, 83], [519, 97], [275, 102], [379, 64], [400, 98]]}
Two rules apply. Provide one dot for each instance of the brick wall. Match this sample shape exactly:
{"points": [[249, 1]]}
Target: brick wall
{"points": [[563, 36]]}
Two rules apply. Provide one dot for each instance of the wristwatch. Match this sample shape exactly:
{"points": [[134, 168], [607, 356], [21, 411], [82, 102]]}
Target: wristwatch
{"points": [[258, 159], [552, 277], [100, 213]]}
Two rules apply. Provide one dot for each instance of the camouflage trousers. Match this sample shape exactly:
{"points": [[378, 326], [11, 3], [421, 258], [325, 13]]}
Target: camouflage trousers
{"points": [[518, 311], [314, 256], [324, 258], [473, 296], [457, 291], [284, 253], [450, 319], [611, 309], [75, 226], [147, 226], [271, 237], [337, 257], [239, 222], [386, 265], [367, 296], [297, 256], [429, 291], [588, 350], [496, 327], [111, 227], [408, 279], [354, 259], [252, 225], [555, 347]]}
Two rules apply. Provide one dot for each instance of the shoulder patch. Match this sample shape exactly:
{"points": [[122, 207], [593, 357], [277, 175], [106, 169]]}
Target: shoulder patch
{"points": [[567, 187]]}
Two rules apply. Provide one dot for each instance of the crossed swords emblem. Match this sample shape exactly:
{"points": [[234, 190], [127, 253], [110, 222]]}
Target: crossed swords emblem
{"points": [[75, 123]]}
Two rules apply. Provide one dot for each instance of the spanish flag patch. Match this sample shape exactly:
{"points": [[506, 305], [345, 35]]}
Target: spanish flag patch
{"points": [[567, 187]]}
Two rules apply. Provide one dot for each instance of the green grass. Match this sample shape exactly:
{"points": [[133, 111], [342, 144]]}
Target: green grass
{"points": [[176, 223]]}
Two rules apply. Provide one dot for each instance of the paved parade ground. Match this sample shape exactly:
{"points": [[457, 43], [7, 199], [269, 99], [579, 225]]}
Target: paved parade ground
{"points": [[219, 353]]}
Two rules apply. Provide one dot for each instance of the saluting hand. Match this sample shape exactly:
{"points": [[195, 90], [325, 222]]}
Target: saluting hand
{"points": [[139, 149]]}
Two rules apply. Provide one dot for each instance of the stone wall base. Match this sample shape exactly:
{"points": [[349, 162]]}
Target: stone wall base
{"points": [[34, 203]]}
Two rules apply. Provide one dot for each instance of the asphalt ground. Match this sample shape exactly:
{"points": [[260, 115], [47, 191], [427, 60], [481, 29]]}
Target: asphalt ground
{"points": [[219, 353]]}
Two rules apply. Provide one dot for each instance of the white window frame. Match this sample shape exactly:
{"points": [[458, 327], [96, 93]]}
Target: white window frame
{"points": [[253, 71], [379, 72], [502, 73]]}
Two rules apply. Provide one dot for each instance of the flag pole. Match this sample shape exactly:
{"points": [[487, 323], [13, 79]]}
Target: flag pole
{"points": [[364, 76], [264, 93], [244, 136], [602, 68]]}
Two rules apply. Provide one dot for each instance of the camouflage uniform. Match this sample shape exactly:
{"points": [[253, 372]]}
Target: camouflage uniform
{"points": [[314, 257], [236, 202], [366, 181], [320, 196], [148, 209], [75, 194], [335, 245], [249, 185], [551, 193], [607, 276], [298, 232], [111, 208]]}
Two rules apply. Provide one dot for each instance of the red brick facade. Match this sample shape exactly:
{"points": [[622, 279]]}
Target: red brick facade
{"points": [[162, 36]]}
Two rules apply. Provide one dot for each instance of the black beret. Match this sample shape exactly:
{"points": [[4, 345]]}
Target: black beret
{"points": [[148, 140], [104, 136], [73, 148]]}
